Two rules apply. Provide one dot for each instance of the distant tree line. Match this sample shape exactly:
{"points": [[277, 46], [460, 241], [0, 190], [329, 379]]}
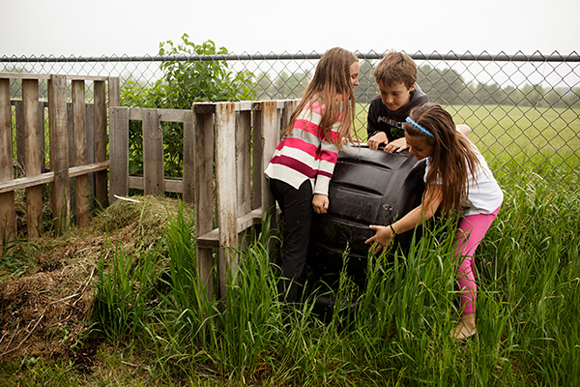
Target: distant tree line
{"points": [[444, 86]]}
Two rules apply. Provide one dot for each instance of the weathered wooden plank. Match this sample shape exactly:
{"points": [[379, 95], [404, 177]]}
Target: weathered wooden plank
{"points": [[204, 107], [203, 194], [225, 164], [289, 107], [257, 170], [270, 138], [41, 107], [243, 143], [80, 151], [172, 184], [100, 139], [24, 76], [90, 139], [174, 115], [59, 149], [152, 153], [48, 177], [114, 92], [118, 152], [20, 154], [243, 106], [33, 155], [211, 239], [188, 184], [7, 206], [20, 142], [165, 115], [77, 77]]}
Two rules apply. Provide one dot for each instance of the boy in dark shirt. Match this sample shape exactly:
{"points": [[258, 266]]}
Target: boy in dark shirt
{"points": [[396, 76]]}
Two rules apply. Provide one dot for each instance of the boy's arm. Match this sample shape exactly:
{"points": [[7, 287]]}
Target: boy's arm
{"points": [[372, 127], [465, 129], [378, 139]]}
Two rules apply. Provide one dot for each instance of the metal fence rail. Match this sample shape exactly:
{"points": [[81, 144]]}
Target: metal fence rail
{"points": [[523, 109]]}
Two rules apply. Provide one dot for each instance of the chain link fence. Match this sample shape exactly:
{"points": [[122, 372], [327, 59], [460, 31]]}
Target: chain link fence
{"points": [[523, 109]]}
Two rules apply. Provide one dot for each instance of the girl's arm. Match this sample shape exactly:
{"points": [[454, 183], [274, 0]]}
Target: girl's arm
{"points": [[327, 156], [320, 203], [431, 200]]}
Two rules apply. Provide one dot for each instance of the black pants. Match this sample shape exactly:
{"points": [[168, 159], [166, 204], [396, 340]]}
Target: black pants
{"points": [[296, 206]]}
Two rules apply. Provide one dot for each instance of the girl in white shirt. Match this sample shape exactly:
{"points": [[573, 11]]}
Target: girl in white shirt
{"points": [[457, 178]]}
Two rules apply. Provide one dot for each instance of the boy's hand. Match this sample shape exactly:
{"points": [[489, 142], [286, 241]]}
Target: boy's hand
{"points": [[377, 139], [381, 240], [320, 203], [397, 145]]}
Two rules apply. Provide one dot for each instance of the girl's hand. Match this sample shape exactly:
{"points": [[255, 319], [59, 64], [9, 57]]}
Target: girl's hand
{"points": [[377, 139], [320, 203], [381, 240], [397, 145]]}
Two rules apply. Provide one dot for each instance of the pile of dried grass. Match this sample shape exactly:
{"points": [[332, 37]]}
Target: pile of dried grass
{"points": [[47, 310]]}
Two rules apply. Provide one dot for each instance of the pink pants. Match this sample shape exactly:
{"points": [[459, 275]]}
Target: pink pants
{"points": [[471, 231]]}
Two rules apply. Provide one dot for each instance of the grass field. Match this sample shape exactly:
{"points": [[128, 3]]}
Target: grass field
{"points": [[511, 129], [143, 321]]}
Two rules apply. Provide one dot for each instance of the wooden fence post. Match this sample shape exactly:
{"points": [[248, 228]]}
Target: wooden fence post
{"points": [[243, 144], [153, 172], [270, 138], [100, 132], [33, 150], [59, 150], [203, 192], [90, 141], [118, 152], [114, 92], [227, 213], [7, 207], [80, 151], [188, 188], [257, 171]]}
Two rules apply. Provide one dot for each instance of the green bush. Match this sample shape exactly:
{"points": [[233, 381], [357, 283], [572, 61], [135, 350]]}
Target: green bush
{"points": [[183, 83]]}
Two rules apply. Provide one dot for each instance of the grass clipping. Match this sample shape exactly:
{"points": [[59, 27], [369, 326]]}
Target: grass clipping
{"points": [[46, 311]]}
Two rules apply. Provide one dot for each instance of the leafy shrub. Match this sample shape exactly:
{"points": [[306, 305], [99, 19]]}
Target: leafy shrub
{"points": [[187, 79]]}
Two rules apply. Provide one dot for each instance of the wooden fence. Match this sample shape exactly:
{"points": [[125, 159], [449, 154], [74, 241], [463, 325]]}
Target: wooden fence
{"points": [[226, 146], [77, 141]]}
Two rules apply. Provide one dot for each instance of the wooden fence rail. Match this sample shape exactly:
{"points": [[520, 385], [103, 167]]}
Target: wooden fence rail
{"points": [[77, 141], [232, 141]]}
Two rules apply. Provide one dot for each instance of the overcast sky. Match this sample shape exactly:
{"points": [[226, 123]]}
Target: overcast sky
{"points": [[136, 27]]}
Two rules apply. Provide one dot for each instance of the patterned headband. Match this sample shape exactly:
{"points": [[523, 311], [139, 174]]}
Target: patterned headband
{"points": [[422, 129]]}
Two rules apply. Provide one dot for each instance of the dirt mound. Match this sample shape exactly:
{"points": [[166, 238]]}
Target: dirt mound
{"points": [[47, 310]]}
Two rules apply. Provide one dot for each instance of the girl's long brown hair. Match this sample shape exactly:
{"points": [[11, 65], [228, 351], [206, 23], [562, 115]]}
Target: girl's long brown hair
{"points": [[453, 155], [331, 80]]}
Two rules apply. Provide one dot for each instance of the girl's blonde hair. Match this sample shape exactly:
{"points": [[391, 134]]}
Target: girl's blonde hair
{"points": [[331, 81], [453, 155]]}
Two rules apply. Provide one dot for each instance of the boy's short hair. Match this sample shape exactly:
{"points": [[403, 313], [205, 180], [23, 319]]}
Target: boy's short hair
{"points": [[396, 67]]}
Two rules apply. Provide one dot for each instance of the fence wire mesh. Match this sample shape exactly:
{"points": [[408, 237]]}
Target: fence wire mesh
{"points": [[523, 109]]}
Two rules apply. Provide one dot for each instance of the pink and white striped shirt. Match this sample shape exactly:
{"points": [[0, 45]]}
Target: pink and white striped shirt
{"points": [[304, 154]]}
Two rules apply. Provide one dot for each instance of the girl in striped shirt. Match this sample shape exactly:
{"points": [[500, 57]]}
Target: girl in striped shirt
{"points": [[303, 163]]}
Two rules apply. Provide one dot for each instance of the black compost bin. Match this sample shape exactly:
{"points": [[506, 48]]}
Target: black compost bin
{"points": [[368, 187]]}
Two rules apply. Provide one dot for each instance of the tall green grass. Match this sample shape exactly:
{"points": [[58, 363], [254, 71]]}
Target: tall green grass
{"points": [[394, 331]]}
